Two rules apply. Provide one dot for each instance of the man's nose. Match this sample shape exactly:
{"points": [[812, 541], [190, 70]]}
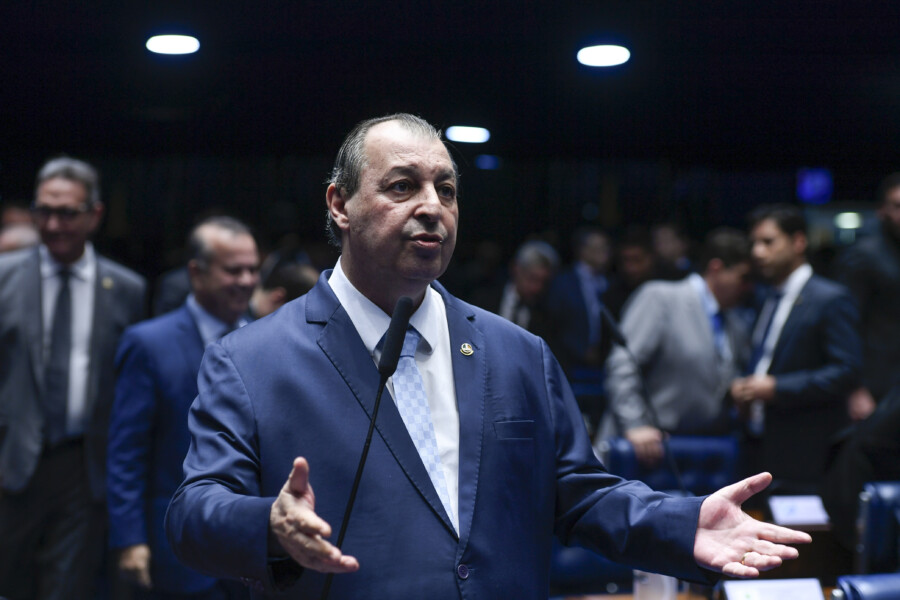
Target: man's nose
{"points": [[430, 205]]}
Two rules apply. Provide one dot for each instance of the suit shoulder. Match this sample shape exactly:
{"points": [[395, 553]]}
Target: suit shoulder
{"points": [[491, 323], [10, 261], [125, 275], [826, 289], [161, 326]]}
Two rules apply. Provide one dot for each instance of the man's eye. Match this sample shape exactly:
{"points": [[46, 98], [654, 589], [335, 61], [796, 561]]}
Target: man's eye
{"points": [[401, 186], [448, 191]]}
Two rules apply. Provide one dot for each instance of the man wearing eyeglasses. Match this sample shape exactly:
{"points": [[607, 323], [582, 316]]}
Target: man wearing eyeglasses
{"points": [[62, 309]]}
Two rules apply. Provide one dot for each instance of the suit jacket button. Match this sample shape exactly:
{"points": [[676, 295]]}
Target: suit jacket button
{"points": [[462, 571]]}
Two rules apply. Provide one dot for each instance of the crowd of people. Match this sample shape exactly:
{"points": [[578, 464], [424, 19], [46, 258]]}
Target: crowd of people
{"points": [[96, 419]]}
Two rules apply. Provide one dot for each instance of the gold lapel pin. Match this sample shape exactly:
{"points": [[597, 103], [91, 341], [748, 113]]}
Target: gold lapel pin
{"points": [[107, 283], [466, 349]]}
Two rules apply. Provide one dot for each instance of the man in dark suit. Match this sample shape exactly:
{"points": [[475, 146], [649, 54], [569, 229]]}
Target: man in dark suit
{"points": [[62, 310], [807, 355], [523, 298], [479, 459], [871, 271], [157, 365]]}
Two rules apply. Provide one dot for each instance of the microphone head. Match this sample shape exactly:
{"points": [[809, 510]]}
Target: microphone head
{"points": [[393, 339]]}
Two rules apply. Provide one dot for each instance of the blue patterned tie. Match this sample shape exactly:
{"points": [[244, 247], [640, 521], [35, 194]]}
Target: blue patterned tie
{"points": [[409, 394]]}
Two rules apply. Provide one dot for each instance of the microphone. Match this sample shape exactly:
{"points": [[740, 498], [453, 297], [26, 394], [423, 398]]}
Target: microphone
{"points": [[615, 332], [387, 364]]}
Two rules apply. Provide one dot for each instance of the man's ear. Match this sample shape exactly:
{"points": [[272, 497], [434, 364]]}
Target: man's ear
{"points": [[799, 242], [96, 215], [336, 201]]}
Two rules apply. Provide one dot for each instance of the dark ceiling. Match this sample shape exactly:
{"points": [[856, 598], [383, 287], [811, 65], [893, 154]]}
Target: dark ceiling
{"points": [[726, 84]]}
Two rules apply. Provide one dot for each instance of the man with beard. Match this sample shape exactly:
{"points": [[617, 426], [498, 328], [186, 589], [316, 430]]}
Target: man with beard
{"points": [[806, 355], [871, 270]]}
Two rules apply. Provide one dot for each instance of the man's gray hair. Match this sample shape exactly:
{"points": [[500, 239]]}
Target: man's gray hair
{"points": [[351, 158], [75, 170], [537, 254]]}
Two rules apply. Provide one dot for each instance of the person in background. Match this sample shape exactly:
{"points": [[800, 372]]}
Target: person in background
{"points": [[62, 310], [157, 364], [871, 271], [806, 356], [479, 459], [18, 236], [283, 277], [672, 248], [688, 351], [523, 298]]}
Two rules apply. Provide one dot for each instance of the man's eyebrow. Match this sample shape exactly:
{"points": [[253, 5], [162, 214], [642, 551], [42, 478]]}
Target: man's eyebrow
{"points": [[415, 172]]}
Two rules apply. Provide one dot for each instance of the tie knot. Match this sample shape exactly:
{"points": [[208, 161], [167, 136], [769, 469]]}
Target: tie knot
{"points": [[64, 274], [410, 342]]}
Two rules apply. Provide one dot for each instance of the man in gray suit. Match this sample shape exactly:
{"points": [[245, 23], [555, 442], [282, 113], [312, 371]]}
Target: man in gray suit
{"points": [[687, 350], [62, 309]]}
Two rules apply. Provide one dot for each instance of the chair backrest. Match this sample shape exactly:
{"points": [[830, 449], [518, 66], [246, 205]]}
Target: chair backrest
{"points": [[882, 586], [706, 463], [878, 528]]}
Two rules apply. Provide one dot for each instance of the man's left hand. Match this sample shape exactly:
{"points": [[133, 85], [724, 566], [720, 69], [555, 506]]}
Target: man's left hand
{"points": [[729, 541]]}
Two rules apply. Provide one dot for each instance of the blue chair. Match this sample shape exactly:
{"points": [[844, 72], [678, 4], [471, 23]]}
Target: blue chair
{"points": [[882, 586], [706, 463], [879, 528], [576, 571]]}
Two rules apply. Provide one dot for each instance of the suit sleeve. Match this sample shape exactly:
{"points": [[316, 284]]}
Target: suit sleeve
{"points": [[130, 442], [841, 370], [624, 520], [642, 325], [217, 523]]}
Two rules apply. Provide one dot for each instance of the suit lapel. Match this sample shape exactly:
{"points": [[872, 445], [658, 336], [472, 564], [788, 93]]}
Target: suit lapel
{"points": [[33, 315], [470, 379], [342, 345], [104, 287], [791, 324]]}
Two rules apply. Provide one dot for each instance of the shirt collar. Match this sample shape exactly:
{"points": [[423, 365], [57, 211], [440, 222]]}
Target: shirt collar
{"points": [[372, 323], [710, 304], [795, 281], [211, 328], [83, 268]]}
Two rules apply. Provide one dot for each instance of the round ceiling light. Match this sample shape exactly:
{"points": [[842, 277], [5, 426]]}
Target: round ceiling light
{"points": [[603, 56], [173, 44], [471, 135]]}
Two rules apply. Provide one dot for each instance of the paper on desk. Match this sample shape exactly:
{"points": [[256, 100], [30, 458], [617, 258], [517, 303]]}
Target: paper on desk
{"points": [[798, 510], [795, 589]]}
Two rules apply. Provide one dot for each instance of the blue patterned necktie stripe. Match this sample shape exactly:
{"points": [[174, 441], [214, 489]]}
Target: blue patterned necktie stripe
{"points": [[412, 403]]}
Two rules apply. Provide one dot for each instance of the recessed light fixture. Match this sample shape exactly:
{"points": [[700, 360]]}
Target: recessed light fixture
{"points": [[603, 56], [470, 135], [848, 220], [173, 44]]}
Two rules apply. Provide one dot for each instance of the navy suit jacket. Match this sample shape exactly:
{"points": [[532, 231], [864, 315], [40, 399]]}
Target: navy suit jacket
{"points": [[301, 383], [157, 363], [816, 362]]}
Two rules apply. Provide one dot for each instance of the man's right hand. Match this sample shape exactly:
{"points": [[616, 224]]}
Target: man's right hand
{"points": [[299, 531], [647, 443], [134, 564]]}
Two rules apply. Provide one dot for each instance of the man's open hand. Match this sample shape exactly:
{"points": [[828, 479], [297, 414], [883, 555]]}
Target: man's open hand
{"points": [[300, 531]]}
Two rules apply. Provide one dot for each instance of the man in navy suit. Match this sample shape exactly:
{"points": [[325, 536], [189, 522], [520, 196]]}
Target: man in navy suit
{"points": [[157, 364], [291, 394], [807, 355]]}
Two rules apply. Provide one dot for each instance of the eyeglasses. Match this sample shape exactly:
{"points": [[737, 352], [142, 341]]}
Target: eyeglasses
{"points": [[65, 215]]}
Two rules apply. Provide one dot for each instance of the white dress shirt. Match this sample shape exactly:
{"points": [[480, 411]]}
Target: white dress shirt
{"points": [[81, 288], [791, 289], [432, 359]]}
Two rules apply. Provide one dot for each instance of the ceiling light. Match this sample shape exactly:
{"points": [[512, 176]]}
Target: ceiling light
{"points": [[848, 220], [487, 162], [471, 135], [603, 56], [173, 44]]}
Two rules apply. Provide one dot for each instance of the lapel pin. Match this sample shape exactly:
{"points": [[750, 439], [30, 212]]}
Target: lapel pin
{"points": [[107, 283], [466, 349]]}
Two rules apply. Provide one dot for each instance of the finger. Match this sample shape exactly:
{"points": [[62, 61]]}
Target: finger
{"points": [[760, 562], [345, 564], [742, 490], [736, 569], [298, 481], [769, 549], [783, 535]]}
